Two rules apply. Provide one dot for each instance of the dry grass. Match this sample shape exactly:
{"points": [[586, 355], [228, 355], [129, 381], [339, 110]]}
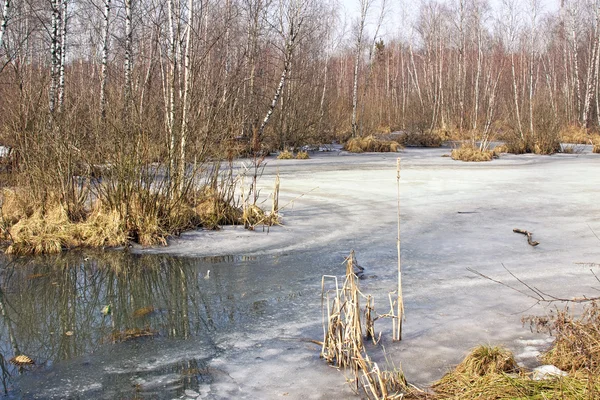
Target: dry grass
{"points": [[302, 155], [468, 152], [577, 344], [575, 134], [42, 233], [285, 155], [147, 219], [596, 149], [425, 139], [371, 144], [491, 372], [500, 149]]}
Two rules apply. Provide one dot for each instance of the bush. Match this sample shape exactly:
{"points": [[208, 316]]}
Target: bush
{"points": [[302, 155], [468, 152]]}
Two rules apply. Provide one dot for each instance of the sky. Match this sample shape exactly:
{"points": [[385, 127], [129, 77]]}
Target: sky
{"points": [[401, 13]]}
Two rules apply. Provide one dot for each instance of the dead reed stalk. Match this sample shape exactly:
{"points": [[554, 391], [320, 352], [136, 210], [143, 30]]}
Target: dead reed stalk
{"points": [[397, 322], [343, 344]]}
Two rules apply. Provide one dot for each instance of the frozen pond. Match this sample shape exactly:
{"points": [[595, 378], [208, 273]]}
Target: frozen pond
{"points": [[245, 331]]}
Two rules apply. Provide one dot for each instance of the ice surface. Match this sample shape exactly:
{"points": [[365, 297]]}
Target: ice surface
{"points": [[455, 216]]}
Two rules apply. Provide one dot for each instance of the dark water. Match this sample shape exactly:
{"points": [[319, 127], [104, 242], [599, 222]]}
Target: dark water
{"points": [[51, 310]]}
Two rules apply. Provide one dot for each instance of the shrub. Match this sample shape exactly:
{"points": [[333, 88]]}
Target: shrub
{"points": [[302, 155]]}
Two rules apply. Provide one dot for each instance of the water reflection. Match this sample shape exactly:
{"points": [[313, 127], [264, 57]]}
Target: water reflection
{"points": [[51, 310]]}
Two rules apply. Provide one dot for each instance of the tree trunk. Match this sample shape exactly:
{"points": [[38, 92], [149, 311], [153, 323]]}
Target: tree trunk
{"points": [[186, 91], [128, 53], [104, 70], [54, 55], [4, 21], [63, 55]]}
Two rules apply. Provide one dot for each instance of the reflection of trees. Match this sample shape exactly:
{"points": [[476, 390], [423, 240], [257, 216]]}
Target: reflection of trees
{"points": [[51, 306]]}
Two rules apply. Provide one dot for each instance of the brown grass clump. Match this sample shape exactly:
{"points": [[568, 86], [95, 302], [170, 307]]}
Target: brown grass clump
{"points": [[15, 206], [302, 155], [424, 139], [575, 134], [500, 149], [285, 155], [596, 149], [103, 228], [485, 360], [42, 233], [468, 152], [371, 144]]}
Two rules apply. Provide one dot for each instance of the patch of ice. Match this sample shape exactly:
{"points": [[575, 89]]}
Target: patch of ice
{"points": [[547, 372], [191, 393]]}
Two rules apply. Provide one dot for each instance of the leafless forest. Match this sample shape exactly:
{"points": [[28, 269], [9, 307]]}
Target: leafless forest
{"points": [[137, 83]]}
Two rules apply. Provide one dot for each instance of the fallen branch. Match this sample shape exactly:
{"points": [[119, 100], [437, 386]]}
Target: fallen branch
{"points": [[529, 234]]}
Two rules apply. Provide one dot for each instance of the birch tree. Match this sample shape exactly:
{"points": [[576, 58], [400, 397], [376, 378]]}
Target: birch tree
{"points": [[4, 21], [104, 60], [365, 5]]}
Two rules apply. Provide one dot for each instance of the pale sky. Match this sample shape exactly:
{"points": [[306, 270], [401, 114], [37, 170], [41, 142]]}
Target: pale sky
{"points": [[401, 13]]}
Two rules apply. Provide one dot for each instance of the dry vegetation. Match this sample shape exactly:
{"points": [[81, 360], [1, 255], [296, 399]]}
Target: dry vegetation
{"points": [[492, 373], [371, 144], [424, 139], [469, 152], [344, 340]]}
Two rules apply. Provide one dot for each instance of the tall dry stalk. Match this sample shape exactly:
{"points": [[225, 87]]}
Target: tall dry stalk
{"points": [[397, 325]]}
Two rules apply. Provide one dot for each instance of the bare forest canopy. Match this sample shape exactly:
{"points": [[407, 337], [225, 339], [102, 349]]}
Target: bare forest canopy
{"points": [[191, 74]]}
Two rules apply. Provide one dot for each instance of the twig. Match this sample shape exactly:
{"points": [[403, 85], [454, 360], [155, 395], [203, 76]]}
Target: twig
{"points": [[529, 234], [540, 296]]}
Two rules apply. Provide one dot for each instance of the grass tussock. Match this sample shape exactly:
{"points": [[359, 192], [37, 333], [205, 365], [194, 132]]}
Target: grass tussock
{"points": [[596, 149], [302, 155], [468, 152], [491, 372], [285, 155], [371, 144], [500, 149], [575, 134], [423, 139]]}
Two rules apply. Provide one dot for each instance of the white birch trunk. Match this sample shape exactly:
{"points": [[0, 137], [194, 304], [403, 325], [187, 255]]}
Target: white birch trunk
{"points": [[63, 55], [104, 67], [128, 52], [4, 21], [54, 55], [186, 91]]}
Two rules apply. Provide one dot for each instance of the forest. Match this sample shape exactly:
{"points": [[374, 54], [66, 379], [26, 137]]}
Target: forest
{"points": [[113, 111]]}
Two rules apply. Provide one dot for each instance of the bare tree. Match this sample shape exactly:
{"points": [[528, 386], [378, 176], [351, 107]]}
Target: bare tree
{"points": [[4, 21], [104, 61], [365, 5]]}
